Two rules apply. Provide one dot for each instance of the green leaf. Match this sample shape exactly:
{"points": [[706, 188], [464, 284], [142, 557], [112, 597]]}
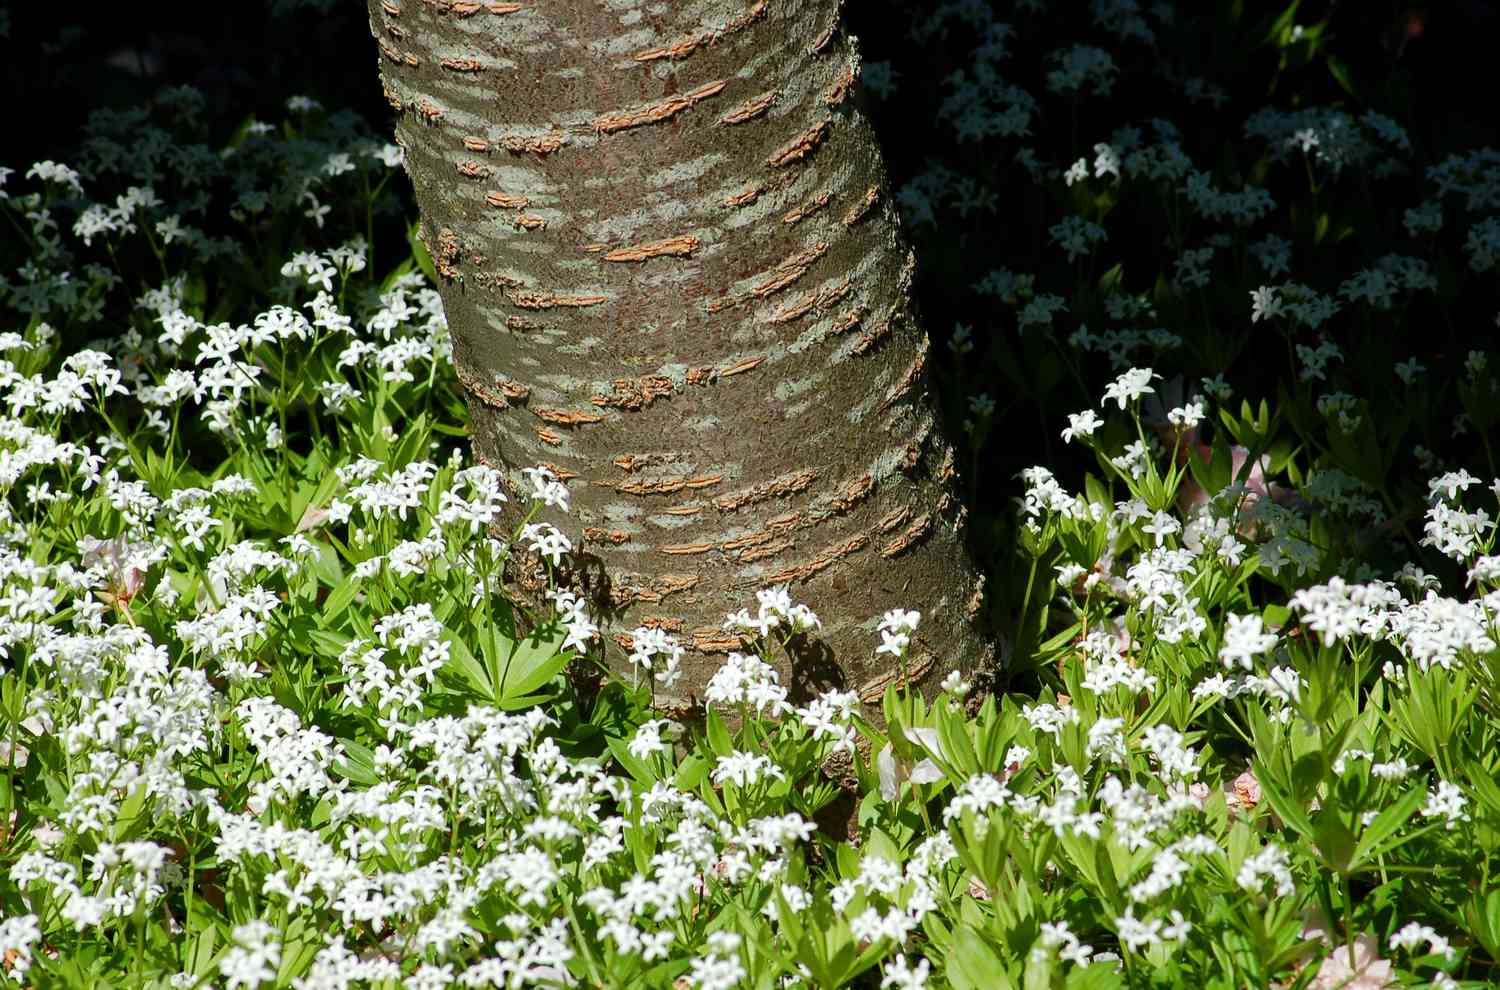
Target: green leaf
{"points": [[958, 747], [532, 663], [1040, 973], [1276, 616], [692, 771], [1281, 28], [339, 600], [1482, 785], [618, 709], [1307, 773], [863, 961], [1111, 280], [1098, 976], [620, 750], [419, 252], [470, 674], [1372, 843], [973, 965], [1482, 919], [719, 740], [1341, 75], [1104, 870], [1213, 475], [359, 765], [878, 844], [1282, 803], [1335, 841], [201, 956], [329, 644], [130, 811]]}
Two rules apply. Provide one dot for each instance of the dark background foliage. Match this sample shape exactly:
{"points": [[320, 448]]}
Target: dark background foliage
{"points": [[61, 60]]}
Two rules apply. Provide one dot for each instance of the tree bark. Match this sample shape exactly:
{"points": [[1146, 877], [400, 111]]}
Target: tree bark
{"points": [[673, 273]]}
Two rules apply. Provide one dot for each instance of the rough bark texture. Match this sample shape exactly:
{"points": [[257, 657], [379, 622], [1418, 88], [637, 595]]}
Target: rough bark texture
{"points": [[673, 274]]}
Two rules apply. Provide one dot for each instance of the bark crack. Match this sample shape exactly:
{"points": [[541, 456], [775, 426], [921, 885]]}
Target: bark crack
{"points": [[566, 417], [806, 210], [532, 299], [663, 486], [681, 246], [751, 108], [860, 209], [787, 484], [654, 113], [802, 145], [634, 394]]}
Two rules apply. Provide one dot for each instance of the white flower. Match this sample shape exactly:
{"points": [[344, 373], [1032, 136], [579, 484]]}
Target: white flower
{"points": [[581, 628], [1130, 386], [1166, 744], [895, 631], [545, 488], [720, 968], [901, 975], [776, 606], [648, 643], [746, 679], [170, 229], [745, 769], [1081, 425], [547, 540], [955, 684], [1424, 219], [1450, 484], [1133, 460], [50, 171], [1070, 949], [1135, 933], [389, 155], [1284, 684], [17, 936], [1264, 304], [1271, 863], [1106, 161], [337, 164], [899, 621], [893, 643], [1161, 526], [1217, 387], [648, 741], [1446, 801], [829, 715], [253, 959], [893, 771], [1315, 360], [1188, 416], [1050, 718], [317, 211], [1075, 235], [1244, 639]]}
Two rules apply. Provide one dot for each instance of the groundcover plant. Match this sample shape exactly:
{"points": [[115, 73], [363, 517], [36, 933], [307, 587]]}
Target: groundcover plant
{"points": [[268, 719]]}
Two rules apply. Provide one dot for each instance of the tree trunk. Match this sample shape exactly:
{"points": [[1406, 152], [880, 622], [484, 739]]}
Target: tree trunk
{"points": [[673, 273]]}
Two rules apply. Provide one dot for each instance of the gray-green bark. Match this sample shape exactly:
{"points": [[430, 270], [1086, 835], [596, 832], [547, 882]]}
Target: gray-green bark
{"points": [[674, 274]]}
